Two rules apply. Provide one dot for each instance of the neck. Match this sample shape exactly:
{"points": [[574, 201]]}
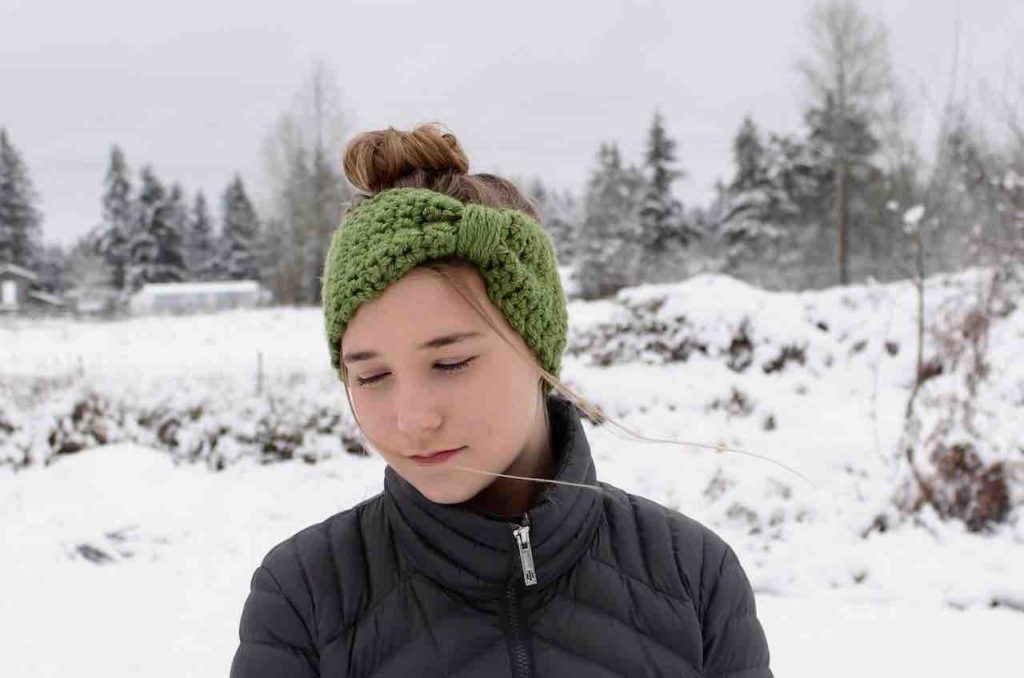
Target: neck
{"points": [[510, 497]]}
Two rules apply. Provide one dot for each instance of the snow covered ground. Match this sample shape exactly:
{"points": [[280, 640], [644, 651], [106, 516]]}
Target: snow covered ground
{"points": [[122, 560]]}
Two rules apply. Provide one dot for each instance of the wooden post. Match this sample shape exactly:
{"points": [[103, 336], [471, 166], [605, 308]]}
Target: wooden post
{"points": [[259, 373]]}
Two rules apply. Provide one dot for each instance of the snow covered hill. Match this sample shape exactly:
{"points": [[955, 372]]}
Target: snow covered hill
{"points": [[135, 499]]}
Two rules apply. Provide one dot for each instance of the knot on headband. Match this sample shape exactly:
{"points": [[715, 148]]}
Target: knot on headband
{"points": [[479, 232]]}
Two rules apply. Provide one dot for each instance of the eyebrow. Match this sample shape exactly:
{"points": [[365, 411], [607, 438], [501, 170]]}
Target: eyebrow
{"points": [[437, 342]]}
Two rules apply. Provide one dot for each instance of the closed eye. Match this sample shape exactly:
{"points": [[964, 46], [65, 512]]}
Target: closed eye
{"points": [[445, 367]]}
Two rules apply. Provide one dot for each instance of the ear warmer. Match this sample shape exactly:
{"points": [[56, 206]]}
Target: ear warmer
{"points": [[383, 237]]}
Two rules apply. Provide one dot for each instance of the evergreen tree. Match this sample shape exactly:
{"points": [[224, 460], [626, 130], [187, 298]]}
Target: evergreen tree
{"points": [[112, 240], [240, 234], [52, 269], [610, 245], [201, 256], [155, 244], [847, 76], [167, 227], [20, 218], [844, 146], [748, 155], [754, 208], [970, 200], [177, 219], [559, 213], [661, 215]]}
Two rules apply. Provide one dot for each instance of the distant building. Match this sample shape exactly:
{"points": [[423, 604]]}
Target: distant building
{"points": [[196, 297], [92, 301], [20, 293]]}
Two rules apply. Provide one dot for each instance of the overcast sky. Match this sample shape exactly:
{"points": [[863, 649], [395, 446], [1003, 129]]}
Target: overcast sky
{"points": [[192, 87]]}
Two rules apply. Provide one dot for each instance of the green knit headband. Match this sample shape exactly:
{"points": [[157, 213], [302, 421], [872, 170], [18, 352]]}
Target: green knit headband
{"points": [[384, 237]]}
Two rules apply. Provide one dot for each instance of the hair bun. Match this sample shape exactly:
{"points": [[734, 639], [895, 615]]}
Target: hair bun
{"points": [[378, 160]]}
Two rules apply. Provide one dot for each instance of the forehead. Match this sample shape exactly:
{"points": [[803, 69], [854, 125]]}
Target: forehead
{"points": [[419, 304]]}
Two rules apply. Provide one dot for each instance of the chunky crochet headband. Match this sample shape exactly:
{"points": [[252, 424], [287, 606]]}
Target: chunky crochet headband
{"points": [[385, 236]]}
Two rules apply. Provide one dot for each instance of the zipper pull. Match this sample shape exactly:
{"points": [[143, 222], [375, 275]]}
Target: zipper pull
{"points": [[522, 537]]}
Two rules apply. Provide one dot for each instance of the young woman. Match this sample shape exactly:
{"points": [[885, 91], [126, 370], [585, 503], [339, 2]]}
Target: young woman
{"points": [[493, 550]]}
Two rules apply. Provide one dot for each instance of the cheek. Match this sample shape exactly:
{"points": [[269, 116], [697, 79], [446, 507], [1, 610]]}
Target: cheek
{"points": [[500, 408], [374, 416]]}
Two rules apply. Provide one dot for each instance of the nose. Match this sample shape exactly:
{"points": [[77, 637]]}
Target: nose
{"points": [[418, 410]]}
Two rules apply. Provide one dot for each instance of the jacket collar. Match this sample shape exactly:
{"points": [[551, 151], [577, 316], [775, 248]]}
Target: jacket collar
{"points": [[474, 554]]}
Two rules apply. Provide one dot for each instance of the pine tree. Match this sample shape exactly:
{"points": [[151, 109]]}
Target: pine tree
{"points": [[201, 257], [661, 215], [167, 227], [748, 155], [175, 247], [753, 206], [112, 241], [240, 234], [847, 75], [20, 218], [610, 246], [971, 199], [52, 268], [560, 217], [155, 244], [844, 146]]}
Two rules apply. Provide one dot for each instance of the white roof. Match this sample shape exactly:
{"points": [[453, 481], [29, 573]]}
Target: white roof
{"points": [[19, 270], [213, 287], [46, 297]]}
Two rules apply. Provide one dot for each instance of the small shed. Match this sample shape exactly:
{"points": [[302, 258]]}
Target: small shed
{"points": [[19, 293], [197, 297]]}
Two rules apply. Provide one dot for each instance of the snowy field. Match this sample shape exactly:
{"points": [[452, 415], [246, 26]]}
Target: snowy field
{"points": [[123, 559]]}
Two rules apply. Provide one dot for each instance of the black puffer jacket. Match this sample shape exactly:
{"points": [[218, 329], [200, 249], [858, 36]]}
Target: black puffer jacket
{"points": [[400, 586]]}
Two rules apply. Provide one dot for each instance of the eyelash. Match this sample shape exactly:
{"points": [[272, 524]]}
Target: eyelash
{"points": [[451, 367]]}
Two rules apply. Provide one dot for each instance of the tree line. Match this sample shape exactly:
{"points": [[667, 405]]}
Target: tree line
{"points": [[846, 198]]}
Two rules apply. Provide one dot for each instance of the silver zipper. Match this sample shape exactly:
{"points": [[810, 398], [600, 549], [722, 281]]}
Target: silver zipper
{"points": [[522, 536]]}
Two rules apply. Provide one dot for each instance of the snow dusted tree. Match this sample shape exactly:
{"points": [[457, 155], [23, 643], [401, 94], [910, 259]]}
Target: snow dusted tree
{"points": [[155, 245], [308, 191], [846, 149], [167, 227], [969, 204], [610, 254], [52, 268], [560, 214], [755, 204], [178, 218], [112, 239], [88, 272], [661, 215], [201, 257], [746, 227], [847, 76], [240, 233], [20, 218], [329, 193]]}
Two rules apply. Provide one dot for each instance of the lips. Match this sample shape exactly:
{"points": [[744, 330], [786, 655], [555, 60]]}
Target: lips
{"points": [[437, 457]]}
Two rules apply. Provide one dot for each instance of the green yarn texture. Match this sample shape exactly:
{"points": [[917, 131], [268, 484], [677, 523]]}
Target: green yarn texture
{"points": [[385, 236]]}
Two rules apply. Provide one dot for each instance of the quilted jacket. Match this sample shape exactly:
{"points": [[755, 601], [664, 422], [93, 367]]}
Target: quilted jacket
{"points": [[585, 583]]}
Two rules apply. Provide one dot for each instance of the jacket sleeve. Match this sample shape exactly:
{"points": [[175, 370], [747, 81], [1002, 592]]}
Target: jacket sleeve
{"points": [[734, 642], [274, 640]]}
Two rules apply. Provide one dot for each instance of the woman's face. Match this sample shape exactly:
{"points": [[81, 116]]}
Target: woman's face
{"points": [[427, 373]]}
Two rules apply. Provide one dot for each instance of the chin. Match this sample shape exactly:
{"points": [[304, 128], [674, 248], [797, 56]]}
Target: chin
{"points": [[441, 492]]}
